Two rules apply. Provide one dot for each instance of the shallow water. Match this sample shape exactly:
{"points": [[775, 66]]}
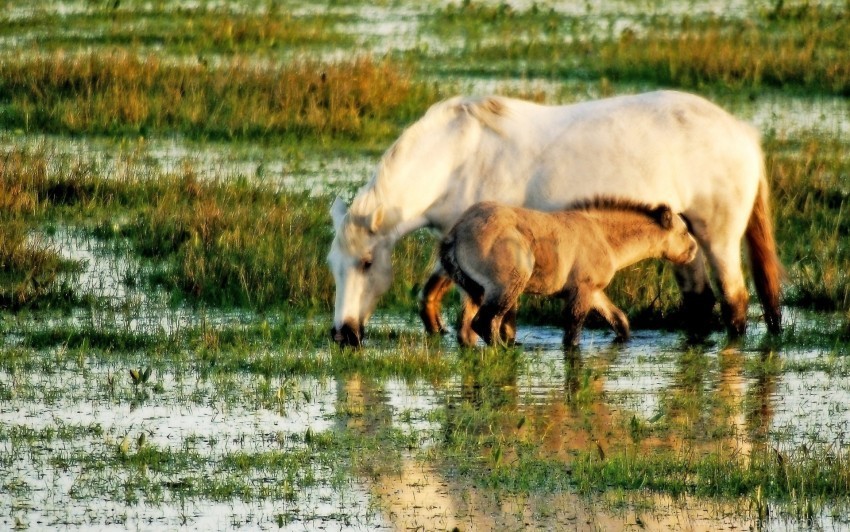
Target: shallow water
{"points": [[56, 408], [180, 409]]}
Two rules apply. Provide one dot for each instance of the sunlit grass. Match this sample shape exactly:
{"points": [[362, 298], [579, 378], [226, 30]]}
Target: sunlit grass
{"points": [[797, 47], [117, 92], [178, 30], [219, 241]]}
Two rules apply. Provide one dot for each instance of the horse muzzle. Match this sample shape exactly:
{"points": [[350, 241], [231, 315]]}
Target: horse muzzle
{"points": [[348, 335]]}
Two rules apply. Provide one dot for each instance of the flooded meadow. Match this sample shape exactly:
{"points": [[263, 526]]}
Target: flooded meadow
{"points": [[166, 172]]}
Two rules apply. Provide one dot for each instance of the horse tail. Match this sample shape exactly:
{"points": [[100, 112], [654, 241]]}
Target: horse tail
{"points": [[448, 258], [764, 262]]}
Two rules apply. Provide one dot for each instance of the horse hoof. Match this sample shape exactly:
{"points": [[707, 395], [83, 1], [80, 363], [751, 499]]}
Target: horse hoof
{"points": [[346, 336]]}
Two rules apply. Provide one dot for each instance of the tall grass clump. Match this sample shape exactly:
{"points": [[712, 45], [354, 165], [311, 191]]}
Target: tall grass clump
{"points": [[121, 93], [736, 54], [29, 269], [179, 29], [235, 243], [801, 48], [240, 245], [810, 186]]}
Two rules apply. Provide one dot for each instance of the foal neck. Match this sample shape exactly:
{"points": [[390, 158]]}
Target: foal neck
{"points": [[631, 236]]}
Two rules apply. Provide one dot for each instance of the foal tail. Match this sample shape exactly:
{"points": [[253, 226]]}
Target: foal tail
{"points": [[764, 262], [448, 258]]}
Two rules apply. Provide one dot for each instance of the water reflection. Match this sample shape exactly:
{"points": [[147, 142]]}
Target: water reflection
{"points": [[414, 493], [708, 399]]}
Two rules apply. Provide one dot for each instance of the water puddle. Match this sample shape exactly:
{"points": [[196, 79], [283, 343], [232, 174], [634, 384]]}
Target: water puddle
{"points": [[89, 410], [112, 278], [156, 158]]}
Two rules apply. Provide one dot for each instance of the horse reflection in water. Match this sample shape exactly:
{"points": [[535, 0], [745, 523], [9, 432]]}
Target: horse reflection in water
{"points": [[573, 416]]}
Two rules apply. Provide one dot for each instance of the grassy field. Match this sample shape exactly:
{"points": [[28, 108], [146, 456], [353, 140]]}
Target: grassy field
{"points": [[164, 348]]}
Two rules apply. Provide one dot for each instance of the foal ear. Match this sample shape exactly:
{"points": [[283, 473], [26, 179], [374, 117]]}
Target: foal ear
{"points": [[664, 216], [338, 211]]}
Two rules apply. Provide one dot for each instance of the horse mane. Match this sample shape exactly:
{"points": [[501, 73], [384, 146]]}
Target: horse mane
{"points": [[486, 110], [611, 203]]}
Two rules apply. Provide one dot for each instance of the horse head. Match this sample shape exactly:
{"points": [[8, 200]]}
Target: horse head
{"points": [[360, 259], [680, 247]]}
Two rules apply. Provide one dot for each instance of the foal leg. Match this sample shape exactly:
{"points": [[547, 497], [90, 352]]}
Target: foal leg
{"points": [[431, 298], [726, 261], [578, 304], [498, 301], [613, 315], [465, 335], [488, 322], [508, 328]]}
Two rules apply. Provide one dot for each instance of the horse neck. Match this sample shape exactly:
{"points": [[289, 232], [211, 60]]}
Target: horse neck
{"points": [[401, 213], [408, 191], [414, 177], [631, 237]]}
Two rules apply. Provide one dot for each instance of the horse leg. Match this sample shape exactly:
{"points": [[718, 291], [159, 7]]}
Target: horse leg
{"points": [[576, 309], [726, 262], [465, 335], [430, 301], [613, 315], [698, 298]]}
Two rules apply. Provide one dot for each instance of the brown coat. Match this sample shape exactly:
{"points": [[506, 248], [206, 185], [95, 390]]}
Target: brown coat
{"points": [[495, 253]]}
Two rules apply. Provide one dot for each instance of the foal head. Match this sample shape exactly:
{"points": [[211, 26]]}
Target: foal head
{"points": [[678, 245]]}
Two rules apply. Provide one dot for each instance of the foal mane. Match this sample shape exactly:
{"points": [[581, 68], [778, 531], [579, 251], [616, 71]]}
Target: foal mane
{"points": [[611, 203]]}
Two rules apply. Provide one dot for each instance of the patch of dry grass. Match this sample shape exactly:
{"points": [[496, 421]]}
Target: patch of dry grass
{"points": [[121, 93]]}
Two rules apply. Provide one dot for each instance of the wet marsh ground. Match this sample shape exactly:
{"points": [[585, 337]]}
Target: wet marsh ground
{"points": [[165, 175]]}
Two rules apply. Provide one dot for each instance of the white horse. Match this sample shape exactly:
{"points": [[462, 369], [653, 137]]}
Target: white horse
{"points": [[659, 147]]}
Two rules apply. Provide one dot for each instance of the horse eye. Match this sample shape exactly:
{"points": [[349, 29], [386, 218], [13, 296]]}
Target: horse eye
{"points": [[365, 265]]}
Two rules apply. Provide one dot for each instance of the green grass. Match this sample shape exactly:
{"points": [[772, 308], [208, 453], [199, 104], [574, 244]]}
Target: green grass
{"points": [[218, 242], [122, 93], [799, 48], [201, 30]]}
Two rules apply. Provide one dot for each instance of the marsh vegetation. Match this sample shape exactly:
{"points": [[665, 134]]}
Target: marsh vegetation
{"points": [[166, 172]]}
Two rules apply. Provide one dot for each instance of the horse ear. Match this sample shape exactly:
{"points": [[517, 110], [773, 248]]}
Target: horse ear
{"points": [[664, 215], [375, 219], [338, 210]]}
